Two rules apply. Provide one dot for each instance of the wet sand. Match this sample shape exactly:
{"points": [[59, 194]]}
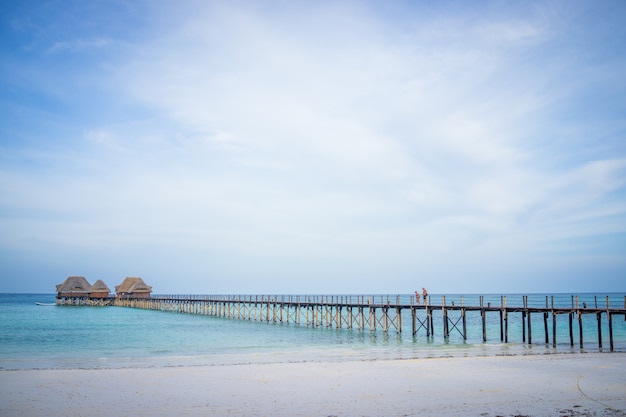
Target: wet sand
{"points": [[535, 385]]}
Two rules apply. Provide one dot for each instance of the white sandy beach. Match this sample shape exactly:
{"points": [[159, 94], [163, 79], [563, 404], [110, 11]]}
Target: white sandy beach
{"points": [[541, 385]]}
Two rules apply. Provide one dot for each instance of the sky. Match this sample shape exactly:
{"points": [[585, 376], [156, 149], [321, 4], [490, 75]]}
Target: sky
{"points": [[321, 147]]}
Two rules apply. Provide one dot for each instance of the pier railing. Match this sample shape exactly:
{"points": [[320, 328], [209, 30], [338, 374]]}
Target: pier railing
{"points": [[387, 313]]}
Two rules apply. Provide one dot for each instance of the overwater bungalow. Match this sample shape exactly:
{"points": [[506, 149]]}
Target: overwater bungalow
{"points": [[133, 287], [99, 290], [75, 286]]}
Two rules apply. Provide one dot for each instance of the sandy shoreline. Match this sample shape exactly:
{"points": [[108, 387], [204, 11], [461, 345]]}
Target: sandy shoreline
{"points": [[542, 385]]}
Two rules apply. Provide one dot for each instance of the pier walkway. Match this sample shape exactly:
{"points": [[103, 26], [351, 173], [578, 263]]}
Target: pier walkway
{"points": [[389, 314]]}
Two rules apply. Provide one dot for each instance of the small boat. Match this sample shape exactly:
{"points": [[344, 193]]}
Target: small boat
{"points": [[44, 304]]}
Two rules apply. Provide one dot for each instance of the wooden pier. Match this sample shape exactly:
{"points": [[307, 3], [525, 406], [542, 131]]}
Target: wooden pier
{"points": [[385, 313]]}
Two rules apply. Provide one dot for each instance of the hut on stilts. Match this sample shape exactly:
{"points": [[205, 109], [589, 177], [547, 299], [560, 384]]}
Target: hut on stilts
{"points": [[73, 291], [99, 290], [75, 286], [133, 287]]}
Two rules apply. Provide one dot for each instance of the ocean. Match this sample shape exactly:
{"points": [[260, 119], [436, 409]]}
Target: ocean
{"points": [[58, 337]]}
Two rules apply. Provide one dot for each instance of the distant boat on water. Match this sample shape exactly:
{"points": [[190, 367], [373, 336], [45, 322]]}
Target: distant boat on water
{"points": [[44, 304]]}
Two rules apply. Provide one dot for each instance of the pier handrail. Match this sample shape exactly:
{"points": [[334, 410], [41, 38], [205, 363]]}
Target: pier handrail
{"points": [[394, 301]]}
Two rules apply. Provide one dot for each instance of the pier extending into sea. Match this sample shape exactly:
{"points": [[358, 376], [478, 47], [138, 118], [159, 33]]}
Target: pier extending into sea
{"points": [[389, 314]]}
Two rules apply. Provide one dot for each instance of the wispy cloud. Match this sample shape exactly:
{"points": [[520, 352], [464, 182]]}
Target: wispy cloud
{"points": [[77, 45]]}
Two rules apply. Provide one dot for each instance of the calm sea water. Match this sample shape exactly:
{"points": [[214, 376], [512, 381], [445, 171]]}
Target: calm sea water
{"points": [[33, 336]]}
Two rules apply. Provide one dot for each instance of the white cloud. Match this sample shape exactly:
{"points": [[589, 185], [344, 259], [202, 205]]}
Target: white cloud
{"points": [[323, 112], [512, 32], [77, 45], [321, 136], [105, 139]]}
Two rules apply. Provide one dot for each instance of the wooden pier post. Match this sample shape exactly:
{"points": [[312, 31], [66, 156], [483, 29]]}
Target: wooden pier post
{"points": [[599, 318], [444, 313], [580, 327], [385, 319], [571, 329], [326, 314], [267, 310], [430, 330], [501, 319], [361, 317], [483, 317], [350, 316], [506, 322], [609, 318], [610, 322], [571, 322], [545, 322], [464, 324], [553, 323], [530, 328], [306, 312], [524, 310], [372, 318]]}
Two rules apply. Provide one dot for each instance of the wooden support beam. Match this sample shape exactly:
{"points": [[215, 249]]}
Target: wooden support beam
{"points": [[609, 317], [545, 323], [553, 323], [506, 320], [599, 318], [483, 317], [553, 329], [444, 313], [464, 324], [571, 330], [580, 328]]}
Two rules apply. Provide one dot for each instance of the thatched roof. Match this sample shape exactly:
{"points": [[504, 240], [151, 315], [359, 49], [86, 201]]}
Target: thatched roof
{"points": [[99, 286], [74, 284], [132, 285]]}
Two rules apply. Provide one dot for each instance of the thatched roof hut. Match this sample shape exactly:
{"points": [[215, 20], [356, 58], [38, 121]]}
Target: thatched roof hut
{"points": [[99, 290], [73, 287], [133, 287]]}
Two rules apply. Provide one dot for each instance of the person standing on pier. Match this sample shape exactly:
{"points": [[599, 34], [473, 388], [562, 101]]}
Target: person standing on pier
{"points": [[424, 294], [417, 297]]}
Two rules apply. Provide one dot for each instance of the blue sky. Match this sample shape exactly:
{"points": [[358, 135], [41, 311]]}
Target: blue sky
{"points": [[314, 147]]}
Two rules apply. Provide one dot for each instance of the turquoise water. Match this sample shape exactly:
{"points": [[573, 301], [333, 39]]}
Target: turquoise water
{"points": [[33, 336]]}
